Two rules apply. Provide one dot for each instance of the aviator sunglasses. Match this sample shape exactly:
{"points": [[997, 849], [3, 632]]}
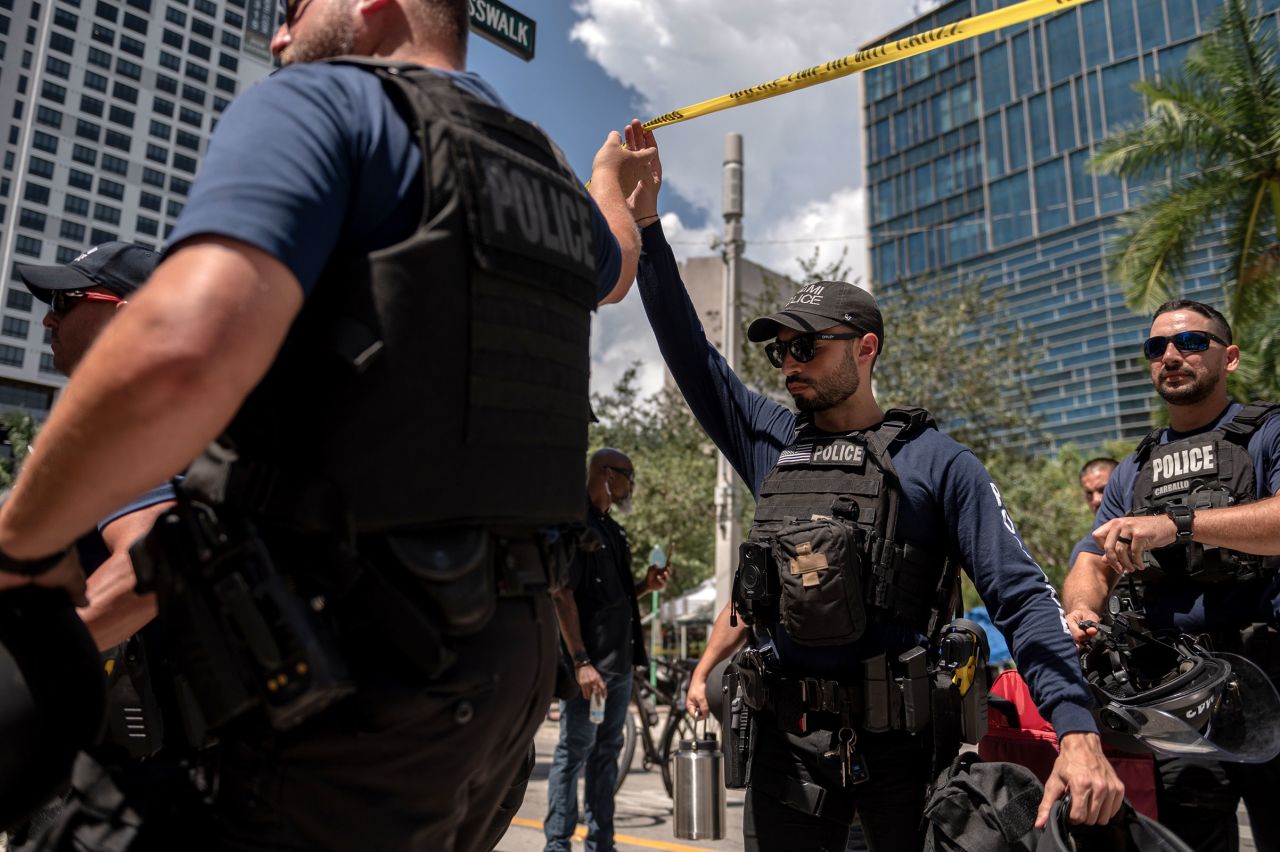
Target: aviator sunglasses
{"points": [[62, 301], [1183, 341], [802, 348]]}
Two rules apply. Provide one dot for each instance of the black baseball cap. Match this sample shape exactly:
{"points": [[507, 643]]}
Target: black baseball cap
{"points": [[822, 305], [117, 267]]}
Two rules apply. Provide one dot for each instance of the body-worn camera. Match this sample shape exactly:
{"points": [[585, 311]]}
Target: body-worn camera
{"points": [[755, 585], [242, 636]]}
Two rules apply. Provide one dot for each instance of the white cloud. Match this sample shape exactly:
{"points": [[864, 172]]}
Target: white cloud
{"points": [[803, 151]]}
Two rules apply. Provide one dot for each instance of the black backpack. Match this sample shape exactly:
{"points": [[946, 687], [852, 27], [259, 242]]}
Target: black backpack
{"points": [[976, 805]]}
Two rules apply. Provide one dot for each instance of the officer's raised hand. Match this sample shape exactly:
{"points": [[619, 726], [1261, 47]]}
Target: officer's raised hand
{"points": [[643, 196], [1083, 771]]}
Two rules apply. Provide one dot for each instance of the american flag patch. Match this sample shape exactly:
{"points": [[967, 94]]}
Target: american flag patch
{"points": [[799, 454]]}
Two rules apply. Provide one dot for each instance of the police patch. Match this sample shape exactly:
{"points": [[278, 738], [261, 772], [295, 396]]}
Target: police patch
{"points": [[1188, 462], [839, 453]]}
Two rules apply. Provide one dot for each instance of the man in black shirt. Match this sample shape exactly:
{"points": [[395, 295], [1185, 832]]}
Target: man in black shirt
{"points": [[600, 623]]}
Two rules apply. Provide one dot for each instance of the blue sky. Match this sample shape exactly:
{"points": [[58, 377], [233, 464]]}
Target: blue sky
{"points": [[601, 62]]}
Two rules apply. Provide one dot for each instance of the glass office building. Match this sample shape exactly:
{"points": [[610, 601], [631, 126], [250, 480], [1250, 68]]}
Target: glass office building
{"points": [[105, 110], [976, 167]]}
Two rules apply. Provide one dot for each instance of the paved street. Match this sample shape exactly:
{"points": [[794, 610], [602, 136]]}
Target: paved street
{"points": [[643, 819]]}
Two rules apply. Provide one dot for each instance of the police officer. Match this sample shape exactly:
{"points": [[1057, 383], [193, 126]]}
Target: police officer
{"points": [[841, 723], [1186, 509], [378, 301]]}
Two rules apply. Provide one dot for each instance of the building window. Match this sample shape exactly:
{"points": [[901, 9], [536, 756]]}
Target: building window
{"points": [[57, 67], [100, 58], [84, 154], [124, 92], [174, 209], [153, 177], [142, 5], [30, 246], [40, 167], [132, 70], [197, 72], [229, 62], [19, 300], [188, 140], [205, 7], [97, 236], [32, 220], [53, 92], [157, 154], [164, 106], [233, 19], [103, 35], [14, 327], [165, 83], [180, 186], [148, 226], [116, 139], [185, 163], [76, 205], [107, 11], [220, 104], [36, 193], [12, 356], [46, 142], [135, 23], [62, 43], [149, 201], [201, 28], [66, 20], [95, 81], [226, 84], [231, 40], [77, 179], [73, 231], [49, 117], [132, 46], [175, 16], [121, 116], [189, 116], [160, 130], [199, 49], [92, 105], [46, 363], [172, 39], [111, 189], [106, 213], [170, 61]]}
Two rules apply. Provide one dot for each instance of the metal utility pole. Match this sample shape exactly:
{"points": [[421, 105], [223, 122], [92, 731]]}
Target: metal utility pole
{"points": [[727, 503]]}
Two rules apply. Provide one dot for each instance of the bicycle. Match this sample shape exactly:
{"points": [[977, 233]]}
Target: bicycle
{"points": [[670, 692]]}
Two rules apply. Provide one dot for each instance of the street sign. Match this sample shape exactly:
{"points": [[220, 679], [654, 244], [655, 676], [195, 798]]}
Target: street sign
{"points": [[504, 26]]}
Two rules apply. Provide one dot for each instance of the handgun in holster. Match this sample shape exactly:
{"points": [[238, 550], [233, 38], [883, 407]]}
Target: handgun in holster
{"points": [[242, 637], [739, 730]]}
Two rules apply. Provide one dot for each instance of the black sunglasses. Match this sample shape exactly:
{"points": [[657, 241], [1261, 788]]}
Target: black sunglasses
{"points": [[1183, 341], [802, 348], [625, 471]]}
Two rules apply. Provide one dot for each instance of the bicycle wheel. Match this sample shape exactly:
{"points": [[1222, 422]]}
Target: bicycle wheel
{"points": [[679, 727], [630, 731]]}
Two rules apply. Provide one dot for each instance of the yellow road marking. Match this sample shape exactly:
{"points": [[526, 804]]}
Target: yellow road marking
{"points": [[872, 57], [620, 839]]}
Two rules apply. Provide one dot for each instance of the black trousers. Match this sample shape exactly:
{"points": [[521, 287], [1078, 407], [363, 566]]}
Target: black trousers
{"points": [[795, 799], [400, 765], [1197, 800]]}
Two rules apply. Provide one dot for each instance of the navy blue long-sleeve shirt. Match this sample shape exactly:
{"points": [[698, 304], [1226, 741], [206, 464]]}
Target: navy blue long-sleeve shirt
{"points": [[947, 493]]}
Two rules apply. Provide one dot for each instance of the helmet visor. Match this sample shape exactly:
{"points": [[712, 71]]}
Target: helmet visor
{"points": [[1243, 724]]}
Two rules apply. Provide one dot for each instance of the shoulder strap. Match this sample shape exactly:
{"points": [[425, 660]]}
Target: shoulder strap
{"points": [[1146, 445], [1248, 420], [899, 424]]}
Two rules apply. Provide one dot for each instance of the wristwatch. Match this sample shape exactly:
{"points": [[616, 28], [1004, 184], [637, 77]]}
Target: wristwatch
{"points": [[1183, 518], [582, 658], [27, 567]]}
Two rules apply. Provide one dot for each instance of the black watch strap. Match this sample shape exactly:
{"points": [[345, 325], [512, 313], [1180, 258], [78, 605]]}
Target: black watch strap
{"points": [[582, 658], [1183, 518]]}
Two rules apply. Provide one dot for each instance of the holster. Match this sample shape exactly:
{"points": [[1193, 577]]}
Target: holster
{"points": [[134, 717], [739, 732]]}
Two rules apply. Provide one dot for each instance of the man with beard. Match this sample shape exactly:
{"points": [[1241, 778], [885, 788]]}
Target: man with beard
{"points": [[1094, 476], [830, 736], [600, 623], [377, 306], [1203, 566]]}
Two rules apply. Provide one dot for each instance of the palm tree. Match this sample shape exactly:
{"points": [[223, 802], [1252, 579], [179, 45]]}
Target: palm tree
{"points": [[1216, 131]]}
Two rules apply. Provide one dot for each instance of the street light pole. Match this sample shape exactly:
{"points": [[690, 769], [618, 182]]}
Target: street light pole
{"points": [[728, 534]]}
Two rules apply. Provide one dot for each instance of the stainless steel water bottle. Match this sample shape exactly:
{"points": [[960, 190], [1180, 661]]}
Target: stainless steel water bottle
{"points": [[699, 790]]}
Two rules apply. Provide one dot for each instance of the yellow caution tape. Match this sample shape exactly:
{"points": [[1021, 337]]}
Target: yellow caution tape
{"points": [[872, 57]]}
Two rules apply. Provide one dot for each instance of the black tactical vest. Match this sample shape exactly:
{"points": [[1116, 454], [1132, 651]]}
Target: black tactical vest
{"points": [[442, 380], [1205, 471], [852, 476]]}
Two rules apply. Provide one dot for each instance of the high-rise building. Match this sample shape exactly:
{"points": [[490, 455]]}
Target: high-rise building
{"points": [[976, 158], [105, 110]]}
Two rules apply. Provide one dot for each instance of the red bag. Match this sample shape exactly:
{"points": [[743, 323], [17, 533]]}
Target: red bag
{"points": [[1029, 740]]}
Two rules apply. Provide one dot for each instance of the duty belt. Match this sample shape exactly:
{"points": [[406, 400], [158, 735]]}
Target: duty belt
{"points": [[791, 700]]}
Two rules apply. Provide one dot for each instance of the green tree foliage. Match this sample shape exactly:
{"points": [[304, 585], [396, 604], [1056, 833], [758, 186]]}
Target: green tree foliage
{"points": [[19, 429], [675, 477], [1214, 133]]}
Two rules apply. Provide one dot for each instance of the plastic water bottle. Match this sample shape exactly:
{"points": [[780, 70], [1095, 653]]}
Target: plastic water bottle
{"points": [[597, 707], [658, 556]]}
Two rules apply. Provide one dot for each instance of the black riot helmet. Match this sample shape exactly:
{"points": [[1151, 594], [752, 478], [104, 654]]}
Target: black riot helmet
{"points": [[1179, 699], [1128, 831], [52, 697]]}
